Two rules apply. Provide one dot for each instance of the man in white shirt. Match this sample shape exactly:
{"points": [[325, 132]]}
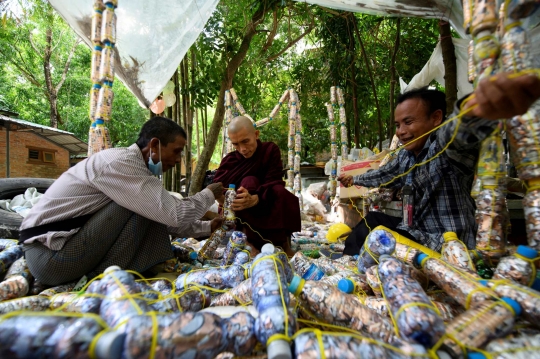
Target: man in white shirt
{"points": [[111, 209]]}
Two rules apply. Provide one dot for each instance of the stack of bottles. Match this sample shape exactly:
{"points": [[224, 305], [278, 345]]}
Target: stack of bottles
{"points": [[103, 38], [393, 301]]}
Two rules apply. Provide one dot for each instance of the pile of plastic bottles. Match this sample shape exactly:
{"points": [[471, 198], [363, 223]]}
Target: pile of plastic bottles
{"points": [[393, 300]]}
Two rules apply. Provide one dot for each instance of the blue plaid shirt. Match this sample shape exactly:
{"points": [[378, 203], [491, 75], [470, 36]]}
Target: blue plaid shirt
{"points": [[442, 187]]}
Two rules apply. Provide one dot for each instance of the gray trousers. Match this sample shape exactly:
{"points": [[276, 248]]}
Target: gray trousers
{"points": [[112, 236]]}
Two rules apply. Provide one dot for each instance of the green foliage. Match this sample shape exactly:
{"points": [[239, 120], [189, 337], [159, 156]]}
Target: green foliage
{"points": [[327, 56]]}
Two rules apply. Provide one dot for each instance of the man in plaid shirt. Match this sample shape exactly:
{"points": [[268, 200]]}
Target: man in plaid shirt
{"points": [[441, 188]]}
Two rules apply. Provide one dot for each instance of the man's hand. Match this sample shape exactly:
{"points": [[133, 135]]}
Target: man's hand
{"points": [[217, 190], [346, 180], [504, 96], [216, 223], [244, 200]]}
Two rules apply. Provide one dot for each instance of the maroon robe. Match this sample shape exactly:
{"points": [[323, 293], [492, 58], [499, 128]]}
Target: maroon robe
{"points": [[277, 215]]}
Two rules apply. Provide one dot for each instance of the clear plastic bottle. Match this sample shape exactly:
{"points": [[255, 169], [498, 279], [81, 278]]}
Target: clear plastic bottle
{"points": [[271, 298], [236, 244], [518, 267], [228, 213], [408, 206], [455, 252], [378, 242]]}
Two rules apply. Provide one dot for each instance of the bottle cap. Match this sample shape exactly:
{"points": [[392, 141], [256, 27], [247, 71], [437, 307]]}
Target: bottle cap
{"points": [[475, 355], [268, 248], [527, 252], [295, 284], [483, 282], [536, 284], [111, 269], [420, 258], [449, 236], [346, 285], [279, 349], [232, 186], [192, 255], [515, 305], [110, 345]]}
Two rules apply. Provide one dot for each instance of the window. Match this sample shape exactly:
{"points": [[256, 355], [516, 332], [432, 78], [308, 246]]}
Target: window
{"points": [[36, 155]]}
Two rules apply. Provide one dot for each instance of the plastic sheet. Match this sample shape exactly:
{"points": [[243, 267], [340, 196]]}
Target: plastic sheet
{"points": [[143, 63]]}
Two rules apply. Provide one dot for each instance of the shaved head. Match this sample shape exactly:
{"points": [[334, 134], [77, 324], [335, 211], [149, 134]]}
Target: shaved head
{"points": [[243, 135], [239, 123]]}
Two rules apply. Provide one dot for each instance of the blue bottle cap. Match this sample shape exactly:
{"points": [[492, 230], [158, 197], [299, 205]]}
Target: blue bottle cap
{"points": [[232, 186], [295, 283], [476, 355], [192, 255], [483, 282], [536, 284], [420, 258], [527, 252], [515, 305], [346, 285], [423, 338]]}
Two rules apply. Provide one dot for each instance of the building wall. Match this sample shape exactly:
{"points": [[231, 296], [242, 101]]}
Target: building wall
{"points": [[19, 163]]}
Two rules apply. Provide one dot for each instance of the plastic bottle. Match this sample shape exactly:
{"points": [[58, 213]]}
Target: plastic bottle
{"points": [[8, 256], [207, 251], [522, 347], [74, 302], [217, 277], [236, 244], [412, 310], [303, 266], [183, 253], [35, 303], [459, 285], [455, 252], [518, 267], [108, 25], [122, 301], [271, 298], [528, 298], [239, 295], [228, 213], [241, 258], [405, 253], [307, 345], [182, 335], [476, 327], [408, 206], [17, 281], [191, 299], [378, 242], [47, 336], [348, 282], [328, 304]]}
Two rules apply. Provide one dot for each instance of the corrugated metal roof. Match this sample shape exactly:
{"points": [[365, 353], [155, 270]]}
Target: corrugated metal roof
{"points": [[64, 139]]}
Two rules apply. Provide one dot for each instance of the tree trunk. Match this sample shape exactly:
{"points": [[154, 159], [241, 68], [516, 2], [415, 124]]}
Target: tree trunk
{"points": [[226, 83], [450, 68], [393, 79], [53, 113], [373, 88]]}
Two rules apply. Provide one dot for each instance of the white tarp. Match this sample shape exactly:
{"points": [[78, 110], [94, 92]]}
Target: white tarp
{"points": [[152, 37], [434, 69]]}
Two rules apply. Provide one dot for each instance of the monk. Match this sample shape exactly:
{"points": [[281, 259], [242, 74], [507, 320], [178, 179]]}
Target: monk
{"points": [[262, 203]]}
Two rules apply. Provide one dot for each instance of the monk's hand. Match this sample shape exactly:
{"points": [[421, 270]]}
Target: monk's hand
{"points": [[503, 96], [346, 180], [217, 190], [244, 200], [216, 223]]}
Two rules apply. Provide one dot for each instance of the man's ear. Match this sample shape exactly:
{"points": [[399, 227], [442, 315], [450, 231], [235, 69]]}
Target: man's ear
{"points": [[437, 117], [154, 144], [257, 133]]}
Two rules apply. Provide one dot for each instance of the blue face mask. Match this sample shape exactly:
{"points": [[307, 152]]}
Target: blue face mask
{"points": [[155, 168]]}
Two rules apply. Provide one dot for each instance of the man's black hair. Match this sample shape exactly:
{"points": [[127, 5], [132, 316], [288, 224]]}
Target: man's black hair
{"points": [[165, 129], [434, 99]]}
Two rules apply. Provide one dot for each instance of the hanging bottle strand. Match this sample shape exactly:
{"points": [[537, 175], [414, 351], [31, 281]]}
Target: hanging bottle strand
{"points": [[490, 185], [103, 37], [333, 144]]}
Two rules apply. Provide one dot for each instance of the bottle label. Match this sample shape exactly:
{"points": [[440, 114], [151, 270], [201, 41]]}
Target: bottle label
{"points": [[313, 273]]}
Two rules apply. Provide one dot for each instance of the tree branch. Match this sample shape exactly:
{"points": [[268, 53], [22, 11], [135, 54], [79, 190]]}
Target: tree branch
{"points": [[37, 51], [272, 34], [291, 43], [24, 72], [66, 68]]}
